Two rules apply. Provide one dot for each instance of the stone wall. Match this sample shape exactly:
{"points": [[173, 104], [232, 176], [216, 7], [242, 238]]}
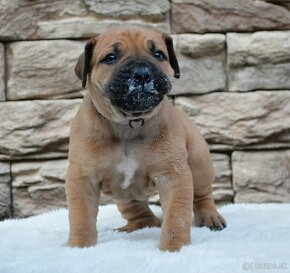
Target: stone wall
{"points": [[235, 83]]}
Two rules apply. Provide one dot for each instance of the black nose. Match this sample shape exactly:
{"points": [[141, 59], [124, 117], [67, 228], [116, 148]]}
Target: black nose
{"points": [[141, 72]]}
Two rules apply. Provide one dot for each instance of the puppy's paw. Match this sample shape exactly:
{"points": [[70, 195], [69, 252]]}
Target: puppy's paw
{"points": [[81, 242], [139, 224], [209, 218], [173, 241], [170, 247]]}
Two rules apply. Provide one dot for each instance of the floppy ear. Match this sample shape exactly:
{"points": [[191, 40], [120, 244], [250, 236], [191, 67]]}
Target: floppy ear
{"points": [[83, 66], [172, 57]]}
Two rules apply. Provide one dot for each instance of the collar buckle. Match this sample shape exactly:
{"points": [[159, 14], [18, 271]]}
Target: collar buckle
{"points": [[136, 123]]}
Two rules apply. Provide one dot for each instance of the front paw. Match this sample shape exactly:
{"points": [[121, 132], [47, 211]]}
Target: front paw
{"points": [[172, 241], [82, 242]]}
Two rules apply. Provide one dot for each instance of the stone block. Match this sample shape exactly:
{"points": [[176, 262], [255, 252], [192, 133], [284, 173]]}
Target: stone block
{"points": [[260, 60], [38, 186], [36, 129], [200, 16], [262, 176], [239, 120], [25, 19], [202, 63], [43, 69]]}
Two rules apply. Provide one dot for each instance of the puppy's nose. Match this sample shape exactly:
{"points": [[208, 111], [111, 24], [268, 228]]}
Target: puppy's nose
{"points": [[141, 72]]}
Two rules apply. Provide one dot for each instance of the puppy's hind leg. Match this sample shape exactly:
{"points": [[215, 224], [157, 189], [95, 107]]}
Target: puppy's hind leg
{"points": [[138, 215], [205, 212]]}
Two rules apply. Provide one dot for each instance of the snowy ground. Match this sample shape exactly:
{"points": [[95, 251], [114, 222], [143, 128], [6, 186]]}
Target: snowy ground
{"points": [[257, 239]]}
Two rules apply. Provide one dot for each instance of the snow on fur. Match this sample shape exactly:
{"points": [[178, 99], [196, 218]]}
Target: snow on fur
{"points": [[256, 234]]}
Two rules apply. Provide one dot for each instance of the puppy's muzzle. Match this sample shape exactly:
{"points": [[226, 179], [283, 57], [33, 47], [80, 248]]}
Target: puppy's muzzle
{"points": [[137, 87]]}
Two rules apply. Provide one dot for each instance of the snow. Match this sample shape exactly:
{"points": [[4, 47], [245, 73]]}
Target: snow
{"points": [[258, 235]]}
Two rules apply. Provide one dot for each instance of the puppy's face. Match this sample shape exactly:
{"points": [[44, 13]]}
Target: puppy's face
{"points": [[131, 67]]}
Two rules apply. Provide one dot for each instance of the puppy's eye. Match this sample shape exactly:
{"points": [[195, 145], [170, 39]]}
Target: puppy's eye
{"points": [[110, 58], [159, 55]]}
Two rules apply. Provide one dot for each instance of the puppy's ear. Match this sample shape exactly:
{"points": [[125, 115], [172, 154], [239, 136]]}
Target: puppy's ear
{"points": [[83, 66], [172, 57]]}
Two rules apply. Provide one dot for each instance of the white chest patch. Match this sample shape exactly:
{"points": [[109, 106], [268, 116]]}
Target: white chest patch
{"points": [[128, 166]]}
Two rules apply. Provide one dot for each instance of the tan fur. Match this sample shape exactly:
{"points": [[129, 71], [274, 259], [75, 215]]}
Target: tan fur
{"points": [[171, 158]]}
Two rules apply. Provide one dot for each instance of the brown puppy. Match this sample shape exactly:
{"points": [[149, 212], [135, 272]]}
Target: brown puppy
{"points": [[129, 142]]}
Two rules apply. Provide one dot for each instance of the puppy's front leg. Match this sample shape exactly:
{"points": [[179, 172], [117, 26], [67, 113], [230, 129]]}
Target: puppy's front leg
{"points": [[83, 197], [176, 197]]}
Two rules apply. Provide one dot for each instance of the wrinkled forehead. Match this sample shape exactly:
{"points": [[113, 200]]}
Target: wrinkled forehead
{"points": [[129, 40]]}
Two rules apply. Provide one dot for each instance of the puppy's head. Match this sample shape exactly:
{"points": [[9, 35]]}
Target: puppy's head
{"points": [[130, 68]]}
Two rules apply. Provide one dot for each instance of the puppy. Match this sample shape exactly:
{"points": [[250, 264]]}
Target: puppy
{"points": [[129, 142]]}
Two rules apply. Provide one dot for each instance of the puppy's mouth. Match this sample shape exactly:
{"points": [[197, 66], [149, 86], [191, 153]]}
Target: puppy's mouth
{"points": [[137, 102], [137, 88]]}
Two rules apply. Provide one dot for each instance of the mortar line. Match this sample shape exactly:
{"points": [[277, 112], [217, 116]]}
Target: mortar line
{"points": [[232, 175], [5, 70], [226, 62], [11, 189]]}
